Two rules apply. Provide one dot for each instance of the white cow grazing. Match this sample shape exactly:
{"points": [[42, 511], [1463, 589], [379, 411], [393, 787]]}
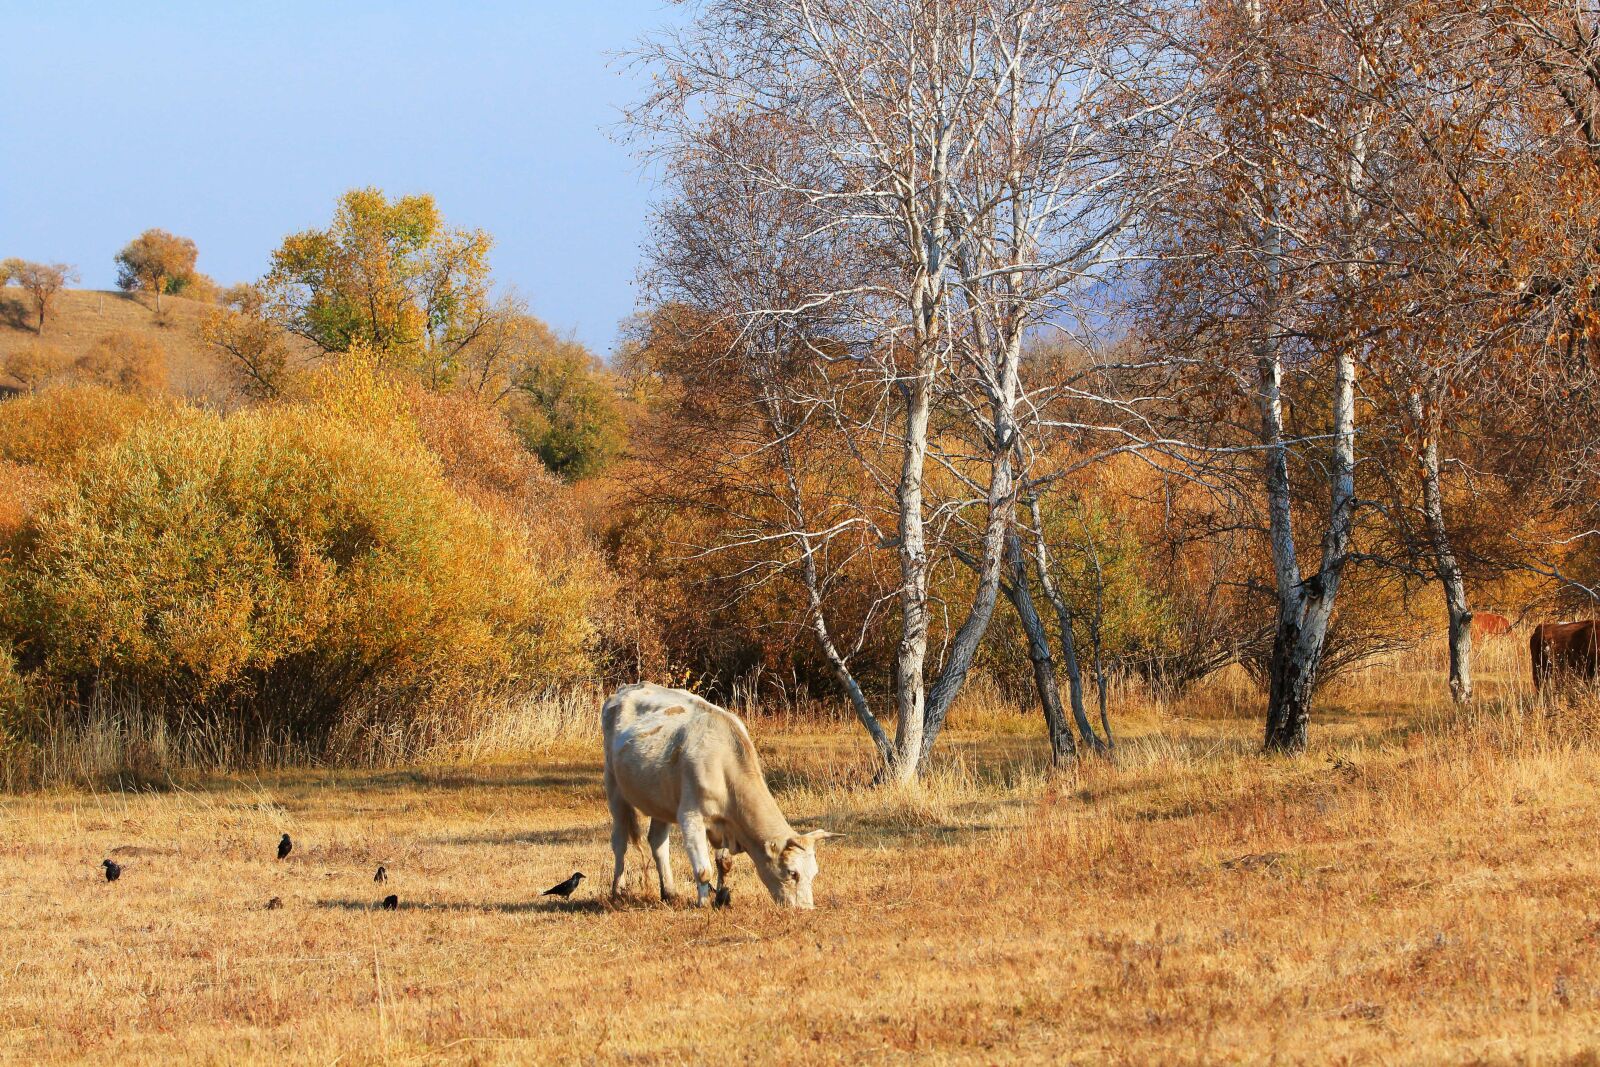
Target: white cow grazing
{"points": [[672, 757]]}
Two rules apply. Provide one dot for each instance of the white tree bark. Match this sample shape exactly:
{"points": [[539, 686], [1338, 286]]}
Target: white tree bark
{"points": [[1446, 567]]}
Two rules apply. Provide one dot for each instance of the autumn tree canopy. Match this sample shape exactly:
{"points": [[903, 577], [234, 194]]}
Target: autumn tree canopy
{"points": [[156, 262], [387, 274]]}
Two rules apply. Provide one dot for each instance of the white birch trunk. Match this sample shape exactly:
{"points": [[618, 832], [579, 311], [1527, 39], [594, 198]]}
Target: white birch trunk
{"points": [[1444, 563]]}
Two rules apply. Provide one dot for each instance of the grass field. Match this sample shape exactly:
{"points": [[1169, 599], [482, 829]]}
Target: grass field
{"points": [[1423, 887]]}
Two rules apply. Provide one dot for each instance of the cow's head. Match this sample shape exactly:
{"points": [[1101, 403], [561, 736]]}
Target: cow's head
{"points": [[791, 867]]}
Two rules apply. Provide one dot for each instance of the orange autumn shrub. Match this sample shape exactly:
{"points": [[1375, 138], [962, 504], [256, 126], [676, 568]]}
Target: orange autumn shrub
{"points": [[282, 566]]}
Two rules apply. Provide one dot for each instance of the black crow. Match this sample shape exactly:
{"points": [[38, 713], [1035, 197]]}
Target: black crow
{"points": [[113, 869], [382, 875], [285, 847], [391, 902], [566, 888]]}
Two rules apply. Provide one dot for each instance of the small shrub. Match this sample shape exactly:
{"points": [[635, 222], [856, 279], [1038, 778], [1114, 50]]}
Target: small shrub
{"points": [[36, 365], [131, 362]]}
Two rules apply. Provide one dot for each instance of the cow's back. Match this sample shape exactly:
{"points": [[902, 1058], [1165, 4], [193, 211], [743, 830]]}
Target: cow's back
{"points": [[1490, 624], [662, 744]]}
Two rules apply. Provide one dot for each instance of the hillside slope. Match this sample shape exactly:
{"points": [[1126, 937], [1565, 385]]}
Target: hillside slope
{"points": [[84, 316]]}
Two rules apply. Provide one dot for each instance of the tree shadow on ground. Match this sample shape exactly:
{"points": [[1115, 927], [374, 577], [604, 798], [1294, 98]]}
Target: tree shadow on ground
{"points": [[579, 778], [15, 314], [900, 829]]}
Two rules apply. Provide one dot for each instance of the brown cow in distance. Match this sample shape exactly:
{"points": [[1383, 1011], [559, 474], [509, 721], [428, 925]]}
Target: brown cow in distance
{"points": [[1489, 624], [1565, 648]]}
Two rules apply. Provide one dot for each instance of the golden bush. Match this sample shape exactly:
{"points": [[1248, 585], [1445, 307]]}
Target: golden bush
{"points": [[21, 488], [54, 431], [281, 564], [36, 365]]}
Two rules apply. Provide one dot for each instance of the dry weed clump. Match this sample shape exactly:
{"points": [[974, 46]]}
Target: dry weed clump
{"points": [[128, 361], [36, 365]]}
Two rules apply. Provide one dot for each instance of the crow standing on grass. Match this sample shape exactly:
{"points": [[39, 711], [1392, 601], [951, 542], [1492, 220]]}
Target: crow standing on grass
{"points": [[113, 869], [391, 903], [285, 847], [565, 889], [382, 876]]}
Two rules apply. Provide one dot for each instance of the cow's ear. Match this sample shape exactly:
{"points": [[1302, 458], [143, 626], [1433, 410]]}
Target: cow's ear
{"points": [[814, 836]]}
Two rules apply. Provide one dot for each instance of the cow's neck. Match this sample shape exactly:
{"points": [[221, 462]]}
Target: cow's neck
{"points": [[763, 832], [756, 815]]}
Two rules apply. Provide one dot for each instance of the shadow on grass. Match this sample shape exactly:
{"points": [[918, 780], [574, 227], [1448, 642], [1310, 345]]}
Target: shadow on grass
{"points": [[571, 835], [987, 762], [901, 829], [577, 778], [518, 907], [15, 314]]}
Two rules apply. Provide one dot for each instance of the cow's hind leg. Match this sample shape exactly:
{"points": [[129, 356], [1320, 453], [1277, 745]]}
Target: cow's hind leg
{"points": [[626, 830], [660, 843], [698, 846]]}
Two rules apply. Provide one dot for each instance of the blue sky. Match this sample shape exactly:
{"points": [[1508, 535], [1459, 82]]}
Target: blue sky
{"points": [[235, 123]]}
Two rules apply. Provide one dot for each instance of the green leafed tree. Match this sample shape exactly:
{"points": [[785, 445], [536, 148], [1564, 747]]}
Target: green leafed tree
{"points": [[566, 411]]}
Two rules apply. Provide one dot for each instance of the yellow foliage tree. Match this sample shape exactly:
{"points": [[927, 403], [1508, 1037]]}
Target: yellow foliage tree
{"points": [[386, 274], [156, 262]]}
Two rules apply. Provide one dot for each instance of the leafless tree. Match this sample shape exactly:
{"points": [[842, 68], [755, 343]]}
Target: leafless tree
{"points": [[965, 153], [1269, 232]]}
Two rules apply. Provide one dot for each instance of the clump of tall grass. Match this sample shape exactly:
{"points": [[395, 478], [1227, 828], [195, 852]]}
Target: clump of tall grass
{"points": [[115, 739]]}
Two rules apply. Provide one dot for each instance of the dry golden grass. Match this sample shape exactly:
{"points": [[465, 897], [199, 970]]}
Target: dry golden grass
{"points": [[1423, 887]]}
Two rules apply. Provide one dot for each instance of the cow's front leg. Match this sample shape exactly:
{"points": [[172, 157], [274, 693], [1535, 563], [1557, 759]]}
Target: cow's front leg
{"points": [[659, 847], [698, 846]]}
